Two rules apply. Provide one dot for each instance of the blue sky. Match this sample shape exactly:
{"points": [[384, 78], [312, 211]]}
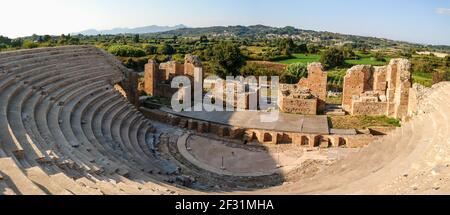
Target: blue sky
{"points": [[421, 21]]}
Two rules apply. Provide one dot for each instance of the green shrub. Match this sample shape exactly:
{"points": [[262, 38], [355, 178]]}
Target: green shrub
{"points": [[293, 73], [28, 44], [126, 51]]}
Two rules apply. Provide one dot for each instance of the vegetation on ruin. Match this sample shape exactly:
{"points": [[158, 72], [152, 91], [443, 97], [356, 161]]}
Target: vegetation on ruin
{"points": [[362, 122]]}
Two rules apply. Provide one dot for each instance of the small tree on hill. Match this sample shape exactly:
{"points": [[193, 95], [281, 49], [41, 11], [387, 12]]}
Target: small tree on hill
{"points": [[332, 58], [226, 58], [166, 49], [136, 38]]}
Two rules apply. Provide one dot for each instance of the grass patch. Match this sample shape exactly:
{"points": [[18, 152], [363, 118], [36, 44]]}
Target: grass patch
{"points": [[334, 100], [301, 58], [362, 122], [425, 79], [367, 61]]}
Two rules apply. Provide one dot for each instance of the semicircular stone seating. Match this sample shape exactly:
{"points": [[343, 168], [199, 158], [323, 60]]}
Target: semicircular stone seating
{"points": [[66, 130], [414, 159]]}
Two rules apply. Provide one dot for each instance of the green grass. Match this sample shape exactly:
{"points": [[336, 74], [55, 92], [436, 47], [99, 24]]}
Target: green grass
{"points": [[367, 61], [425, 79], [301, 58], [362, 122]]}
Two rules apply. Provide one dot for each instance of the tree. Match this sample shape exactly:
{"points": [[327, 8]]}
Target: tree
{"points": [[149, 49], [287, 46], [204, 39], [348, 52], [166, 49], [302, 48], [312, 48], [16, 43], [47, 38], [447, 61], [379, 57], [136, 38], [332, 58], [227, 58], [5, 40]]}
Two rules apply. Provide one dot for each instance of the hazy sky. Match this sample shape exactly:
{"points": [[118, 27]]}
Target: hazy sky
{"points": [[422, 21]]}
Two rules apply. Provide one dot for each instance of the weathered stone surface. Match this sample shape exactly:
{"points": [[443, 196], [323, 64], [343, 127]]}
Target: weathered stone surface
{"points": [[157, 77], [367, 88]]}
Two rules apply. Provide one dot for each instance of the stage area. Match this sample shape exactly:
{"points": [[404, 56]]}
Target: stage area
{"points": [[251, 120]]}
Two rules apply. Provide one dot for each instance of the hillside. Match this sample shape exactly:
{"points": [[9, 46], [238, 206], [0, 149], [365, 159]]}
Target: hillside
{"points": [[267, 32]]}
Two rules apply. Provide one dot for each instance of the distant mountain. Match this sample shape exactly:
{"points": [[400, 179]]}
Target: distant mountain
{"points": [[139, 30]]}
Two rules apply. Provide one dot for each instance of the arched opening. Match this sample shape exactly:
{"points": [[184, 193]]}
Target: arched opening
{"points": [[226, 131], [284, 139], [342, 142], [317, 141], [267, 138], [305, 141]]}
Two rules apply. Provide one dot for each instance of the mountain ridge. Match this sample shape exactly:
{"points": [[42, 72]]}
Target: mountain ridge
{"points": [[138, 30]]}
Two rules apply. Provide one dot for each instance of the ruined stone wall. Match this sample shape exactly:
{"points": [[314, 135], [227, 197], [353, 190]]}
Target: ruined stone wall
{"points": [[317, 83], [402, 87], [190, 63], [157, 77], [369, 108], [150, 77], [379, 80], [294, 99], [388, 89], [131, 87], [357, 81], [299, 106], [170, 70]]}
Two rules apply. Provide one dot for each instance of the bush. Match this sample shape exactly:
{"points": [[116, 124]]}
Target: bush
{"points": [[378, 56], [28, 44], [165, 49], [423, 65], [293, 73], [332, 58], [126, 51], [149, 49]]}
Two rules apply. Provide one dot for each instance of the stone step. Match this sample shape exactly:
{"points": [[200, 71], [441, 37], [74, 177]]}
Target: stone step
{"points": [[73, 186], [40, 177], [17, 178]]}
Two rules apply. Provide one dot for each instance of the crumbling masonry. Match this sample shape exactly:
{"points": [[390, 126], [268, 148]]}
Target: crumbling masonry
{"points": [[378, 91], [157, 77], [308, 96]]}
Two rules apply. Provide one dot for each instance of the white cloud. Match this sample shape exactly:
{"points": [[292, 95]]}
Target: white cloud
{"points": [[443, 11]]}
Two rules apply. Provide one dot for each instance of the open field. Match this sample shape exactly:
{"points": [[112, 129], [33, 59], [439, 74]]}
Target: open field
{"points": [[301, 58], [425, 79], [367, 61]]}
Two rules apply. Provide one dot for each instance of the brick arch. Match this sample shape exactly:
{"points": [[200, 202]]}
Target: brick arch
{"points": [[267, 137]]}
